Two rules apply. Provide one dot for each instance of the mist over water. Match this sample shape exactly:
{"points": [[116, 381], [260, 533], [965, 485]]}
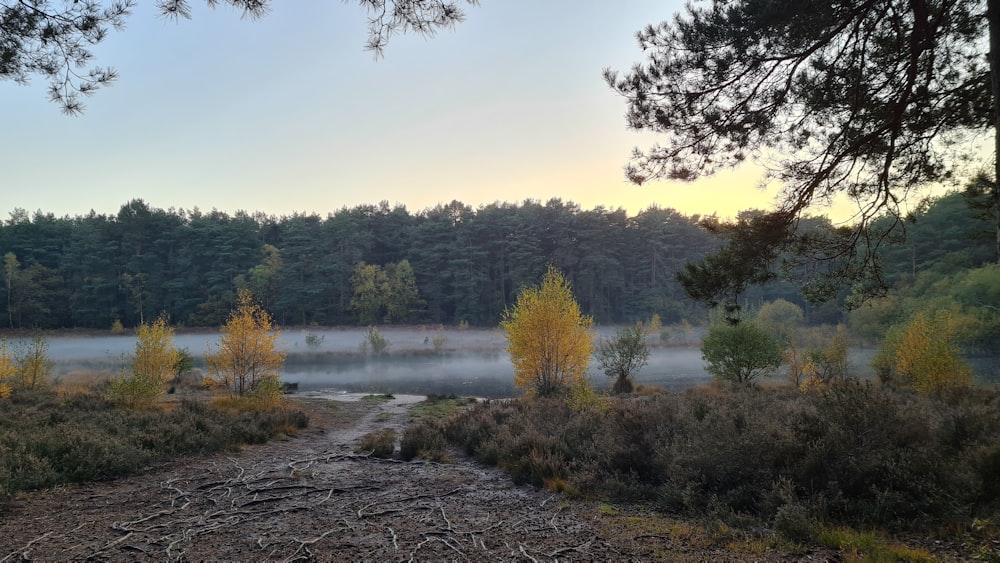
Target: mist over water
{"points": [[418, 360]]}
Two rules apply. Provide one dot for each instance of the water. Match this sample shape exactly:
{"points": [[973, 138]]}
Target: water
{"points": [[418, 361]]}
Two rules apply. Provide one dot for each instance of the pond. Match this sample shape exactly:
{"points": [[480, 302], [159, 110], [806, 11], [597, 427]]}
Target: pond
{"points": [[418, 360]]}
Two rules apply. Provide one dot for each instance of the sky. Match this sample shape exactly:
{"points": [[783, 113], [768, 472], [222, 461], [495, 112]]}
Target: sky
{"points": [[290, 114]]}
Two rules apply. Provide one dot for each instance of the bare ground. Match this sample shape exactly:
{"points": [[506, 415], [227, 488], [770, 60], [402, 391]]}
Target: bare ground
{"points": [[312, 497]]}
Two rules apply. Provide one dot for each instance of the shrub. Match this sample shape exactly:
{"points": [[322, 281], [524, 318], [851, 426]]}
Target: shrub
{"points": [[740, 352], [849, 453], [374, 343], [379, 443], [46, 440], [7, 370], [32, 363], [623, 356], [828, 363], [153, 364], [314, 341], [438, 342], [424, 439]]}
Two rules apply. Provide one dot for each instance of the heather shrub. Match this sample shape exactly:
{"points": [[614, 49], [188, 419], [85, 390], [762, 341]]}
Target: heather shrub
{"points": [[424, 439], [379, 443], [46, 440], [471, 428], [849, 452]]}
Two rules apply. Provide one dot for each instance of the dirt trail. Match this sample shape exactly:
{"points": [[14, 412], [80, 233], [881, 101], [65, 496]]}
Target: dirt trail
{"points": [[307, 497]]}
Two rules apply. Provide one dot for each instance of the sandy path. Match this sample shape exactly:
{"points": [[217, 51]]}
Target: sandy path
{"points": [[307, 497]]}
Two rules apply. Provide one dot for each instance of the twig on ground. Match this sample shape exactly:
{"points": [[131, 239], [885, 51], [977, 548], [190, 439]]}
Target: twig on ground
{"points": [[24, 551], [395, 544], [304, 543]]}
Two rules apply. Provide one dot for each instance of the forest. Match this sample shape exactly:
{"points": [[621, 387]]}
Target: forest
{"points": [[465, 265]]}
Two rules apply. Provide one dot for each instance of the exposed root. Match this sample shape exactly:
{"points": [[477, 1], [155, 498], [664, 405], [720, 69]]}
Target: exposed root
{"points": [[305, 499]]}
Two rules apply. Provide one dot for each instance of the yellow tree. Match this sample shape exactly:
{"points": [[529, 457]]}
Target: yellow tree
{"points": [[548, 339], [152, 365], [155, 355], [246, 361], [7, 370], [926, 356], [32, 363]]}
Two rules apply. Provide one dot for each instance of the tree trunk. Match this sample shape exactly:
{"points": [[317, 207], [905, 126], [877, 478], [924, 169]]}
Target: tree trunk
{"points": [[993, 15]]}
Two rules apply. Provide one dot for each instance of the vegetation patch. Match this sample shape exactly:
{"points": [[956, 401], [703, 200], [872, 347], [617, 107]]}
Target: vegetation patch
{"points": [[750, 455], [869, 546], [377, 399], [379, 443], [424, 439], [47, 439], [439, 407], [665, 538]]}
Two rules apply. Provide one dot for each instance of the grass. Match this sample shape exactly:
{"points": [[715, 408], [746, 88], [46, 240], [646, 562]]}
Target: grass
{"points": [[439, 407], [869, 547], [377, 399], [667, 538]]}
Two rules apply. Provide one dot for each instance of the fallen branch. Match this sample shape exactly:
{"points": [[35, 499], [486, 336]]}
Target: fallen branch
{"points": [[580, 548], [24, 551], [304, 543], [447, 543], [395, 544]]}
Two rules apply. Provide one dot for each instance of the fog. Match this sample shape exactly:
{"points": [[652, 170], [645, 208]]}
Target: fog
{"points": [[418, 360]]}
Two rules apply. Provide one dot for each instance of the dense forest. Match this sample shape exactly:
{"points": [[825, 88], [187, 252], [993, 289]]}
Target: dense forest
{"points": [[466, 264]]}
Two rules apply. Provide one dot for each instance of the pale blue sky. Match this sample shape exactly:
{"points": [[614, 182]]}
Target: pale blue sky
{"points": [[290, 114]]}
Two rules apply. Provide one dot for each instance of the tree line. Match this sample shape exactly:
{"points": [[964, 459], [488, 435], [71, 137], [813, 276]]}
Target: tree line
{"points": [[380, 263], [466, 264]]}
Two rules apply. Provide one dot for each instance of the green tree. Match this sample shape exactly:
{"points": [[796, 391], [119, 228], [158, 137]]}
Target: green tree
{"points": [[35, 295], [11, 269], [860, 98], [136, 287], [548, 339], [387, 294], [53, 39], [403, 297], [752, 244], [622, 356], [740, 352], [371, 288], [784, 319], [983, 198], [781, 316], [262, 279]]}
